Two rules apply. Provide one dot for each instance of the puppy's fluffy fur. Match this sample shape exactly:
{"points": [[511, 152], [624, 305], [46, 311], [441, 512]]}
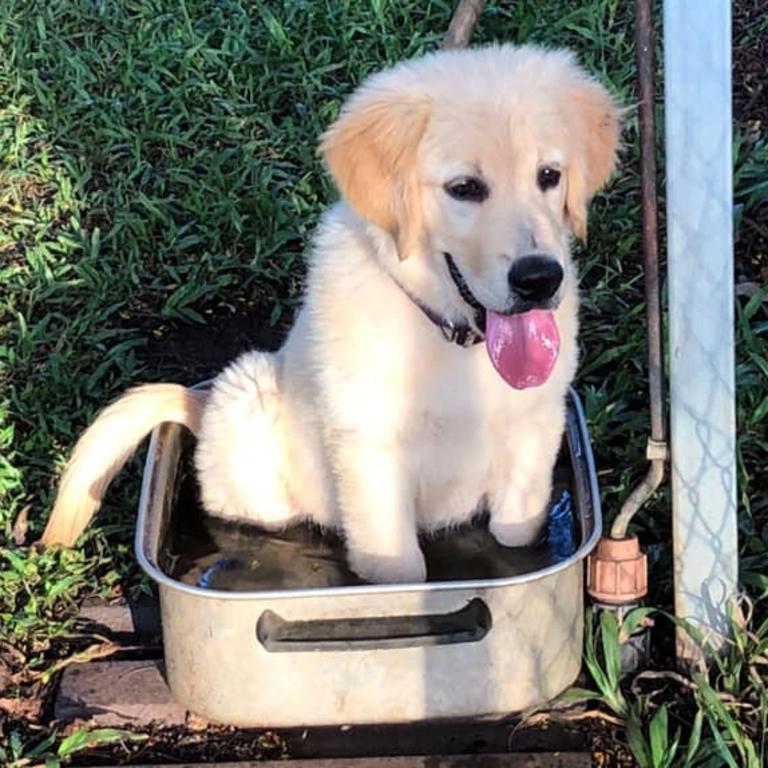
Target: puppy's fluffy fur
{"points": [[368, 419]]}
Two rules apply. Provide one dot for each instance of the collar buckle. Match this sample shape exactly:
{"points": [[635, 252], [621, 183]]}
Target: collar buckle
{"points": [[461, 334], [457, 333]]}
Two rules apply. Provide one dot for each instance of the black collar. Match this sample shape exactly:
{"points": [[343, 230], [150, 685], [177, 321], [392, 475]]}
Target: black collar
{"points": [[459, 333]]}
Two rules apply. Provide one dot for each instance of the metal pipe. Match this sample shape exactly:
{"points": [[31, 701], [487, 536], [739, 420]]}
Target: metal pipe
{"points": [[641, 493], [646, 64], [657, 448]]}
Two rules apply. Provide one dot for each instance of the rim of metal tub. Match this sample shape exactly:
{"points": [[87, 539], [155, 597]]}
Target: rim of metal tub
{"points": [[581, 455]]}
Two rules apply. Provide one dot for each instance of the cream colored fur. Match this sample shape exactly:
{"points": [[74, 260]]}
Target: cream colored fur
{"points": [[367, 419], [105, 447]]}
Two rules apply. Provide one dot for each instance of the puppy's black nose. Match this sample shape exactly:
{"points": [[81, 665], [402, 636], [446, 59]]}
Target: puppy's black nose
{"points": [[535, 278]]}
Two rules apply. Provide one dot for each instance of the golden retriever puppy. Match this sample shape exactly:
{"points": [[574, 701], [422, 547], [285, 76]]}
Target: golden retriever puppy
{"points": [[426, 373]]}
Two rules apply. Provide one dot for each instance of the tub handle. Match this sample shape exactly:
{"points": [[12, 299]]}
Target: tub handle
{"points": [[467, 625]]}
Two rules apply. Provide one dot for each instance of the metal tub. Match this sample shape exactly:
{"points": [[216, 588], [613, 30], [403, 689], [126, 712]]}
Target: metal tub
{"points": [[336, 655]]}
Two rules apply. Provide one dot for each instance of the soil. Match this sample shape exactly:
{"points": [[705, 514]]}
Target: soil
{"points": [[201, 351], [750, 112], [750, 54], [209, 744]]}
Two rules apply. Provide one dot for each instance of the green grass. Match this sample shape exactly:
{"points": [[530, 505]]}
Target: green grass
{"points": [[158, 176]]}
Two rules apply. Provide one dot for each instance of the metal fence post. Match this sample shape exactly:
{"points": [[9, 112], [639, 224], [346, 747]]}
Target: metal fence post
{"points": [[697, 67]]}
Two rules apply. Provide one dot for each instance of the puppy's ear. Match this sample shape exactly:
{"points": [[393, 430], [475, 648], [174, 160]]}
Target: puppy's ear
{"points": [[371, 153], [594, 120]]}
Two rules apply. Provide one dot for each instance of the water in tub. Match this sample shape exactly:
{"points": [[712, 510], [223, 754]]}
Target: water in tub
{"points": [[216, 555]]}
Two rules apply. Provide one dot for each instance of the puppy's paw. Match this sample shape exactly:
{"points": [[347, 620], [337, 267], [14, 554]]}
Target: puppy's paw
{"points": [[389, 569], [519, 516], [518, 534]]}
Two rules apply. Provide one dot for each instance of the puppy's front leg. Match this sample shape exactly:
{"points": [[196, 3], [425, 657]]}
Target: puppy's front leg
{"points": [[376, 498], [522, 487]]}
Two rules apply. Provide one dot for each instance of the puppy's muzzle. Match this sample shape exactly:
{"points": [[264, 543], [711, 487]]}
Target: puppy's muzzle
{"points": [[534, 280]]}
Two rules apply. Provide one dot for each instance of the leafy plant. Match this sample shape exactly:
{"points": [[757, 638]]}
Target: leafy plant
{"points": [[733, 699], [602, 657], [653, 751], [46, 752]]}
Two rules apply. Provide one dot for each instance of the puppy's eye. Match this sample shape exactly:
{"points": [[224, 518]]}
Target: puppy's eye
{"points": [[468, 189], [547, 178]]}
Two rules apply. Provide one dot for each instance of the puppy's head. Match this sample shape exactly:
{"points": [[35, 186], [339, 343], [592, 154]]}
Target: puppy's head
{"points": [[485, 159]]}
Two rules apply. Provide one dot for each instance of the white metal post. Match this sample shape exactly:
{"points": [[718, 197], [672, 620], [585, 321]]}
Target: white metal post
{"points": [[697, 76]]}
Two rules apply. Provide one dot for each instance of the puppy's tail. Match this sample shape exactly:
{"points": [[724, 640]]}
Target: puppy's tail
{"points": [[107, 445]]}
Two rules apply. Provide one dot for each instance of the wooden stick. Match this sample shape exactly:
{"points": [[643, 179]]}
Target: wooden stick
{"points": [[463, 23]]}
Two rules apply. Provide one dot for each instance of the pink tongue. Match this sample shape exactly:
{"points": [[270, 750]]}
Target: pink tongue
{"points": [[523, 348]]}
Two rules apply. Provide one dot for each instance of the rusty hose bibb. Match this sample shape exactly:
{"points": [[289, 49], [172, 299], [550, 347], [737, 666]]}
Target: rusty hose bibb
{"points": [[617, 571]]}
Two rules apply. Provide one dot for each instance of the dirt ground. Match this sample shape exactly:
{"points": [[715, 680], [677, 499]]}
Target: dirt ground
{"points": [[750, 112]]}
